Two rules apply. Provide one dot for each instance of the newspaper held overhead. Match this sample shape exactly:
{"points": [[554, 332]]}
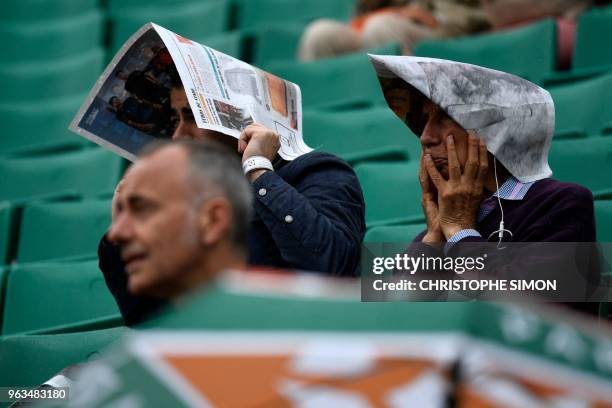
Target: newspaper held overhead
{"points": [[131, 104]]}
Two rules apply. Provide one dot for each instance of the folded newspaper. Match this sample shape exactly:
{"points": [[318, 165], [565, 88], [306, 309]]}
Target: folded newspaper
{"points": [[130, 104]]}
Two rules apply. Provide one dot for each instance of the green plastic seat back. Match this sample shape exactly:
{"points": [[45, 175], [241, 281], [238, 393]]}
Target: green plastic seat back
{"points": [[76, 228], [89, 172], [361, 134], [34, 81], [587, 162], [39, 124], [51, 39], [391, 191], [230, 43], [45, 296], [603, 219], [252, 14], [582, 108], [529, 51], [31, 360], [592, 49], [31, 10], [274, 43], [192, 20], [342, 81], [394, 233]]}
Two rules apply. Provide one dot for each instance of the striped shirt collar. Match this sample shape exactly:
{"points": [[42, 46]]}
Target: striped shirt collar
{"points": [[512, 189]]}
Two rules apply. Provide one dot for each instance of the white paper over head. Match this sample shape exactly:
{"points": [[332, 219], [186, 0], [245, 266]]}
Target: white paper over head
{"points": [[515, 117], [130, 107]]}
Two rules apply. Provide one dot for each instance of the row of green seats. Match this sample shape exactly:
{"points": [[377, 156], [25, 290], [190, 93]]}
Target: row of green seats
{"points": [[406, 233], [57, 297], [392, 191], [345, 81], [51, 38], [29, 360], [194, 19], [592, 48], [39, 125], [50, 79], [44, 230], [86, 172], [583, 108], [262, 13], [75, 228], [28, 11], [529, 51], [361, 135]]}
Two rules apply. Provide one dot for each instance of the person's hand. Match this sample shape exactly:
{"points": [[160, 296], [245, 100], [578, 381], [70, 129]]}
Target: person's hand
{"points": [[429, 201], [258, 140], [459, 197]]}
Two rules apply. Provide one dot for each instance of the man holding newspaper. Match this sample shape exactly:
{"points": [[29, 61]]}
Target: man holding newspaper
{"points": [[309, 211]]}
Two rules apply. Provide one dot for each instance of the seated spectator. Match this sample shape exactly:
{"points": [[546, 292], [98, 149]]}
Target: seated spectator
{"points": [[485, 136], [383, 21], [309, 213]]}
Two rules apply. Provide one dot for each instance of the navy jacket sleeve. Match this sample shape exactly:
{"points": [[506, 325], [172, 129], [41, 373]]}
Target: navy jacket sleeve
{"points": [[315, 214]]}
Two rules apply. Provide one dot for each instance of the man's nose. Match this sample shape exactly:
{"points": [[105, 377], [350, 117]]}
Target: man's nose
{"points": [[431, 135], [181, 131], [120, 230]]}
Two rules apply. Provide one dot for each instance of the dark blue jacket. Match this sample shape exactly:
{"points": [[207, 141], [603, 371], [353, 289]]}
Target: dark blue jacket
{"points": [[309, 215]]}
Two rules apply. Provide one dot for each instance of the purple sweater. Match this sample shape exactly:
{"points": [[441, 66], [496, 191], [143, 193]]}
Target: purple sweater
{"points": [[551, 211]]}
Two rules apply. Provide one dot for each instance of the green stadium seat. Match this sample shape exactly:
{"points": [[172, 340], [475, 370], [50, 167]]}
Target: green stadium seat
{"points": [[192, 20], [274, 43], [7, 231], [361, 135], [336, 82], [33, 81], [66, 296], [529, 52], [391, 191], [592, 46], [3, 274], [603, 218], [230, 43], [31, 360], [76, 228], [89, 172], [261, 13], [584, 161], [50, 39], [31, 10], [39, 125], [119, 5], [394, 233], [582, 108]]}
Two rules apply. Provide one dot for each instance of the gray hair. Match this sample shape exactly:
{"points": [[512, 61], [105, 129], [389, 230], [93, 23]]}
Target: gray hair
{"points": [[216, 168]]}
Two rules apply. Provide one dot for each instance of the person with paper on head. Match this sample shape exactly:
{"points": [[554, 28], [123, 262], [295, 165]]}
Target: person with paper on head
{"points": [[484, 172]]}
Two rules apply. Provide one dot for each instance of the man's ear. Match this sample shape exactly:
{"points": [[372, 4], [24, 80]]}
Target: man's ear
{"points": [[214, 221]]}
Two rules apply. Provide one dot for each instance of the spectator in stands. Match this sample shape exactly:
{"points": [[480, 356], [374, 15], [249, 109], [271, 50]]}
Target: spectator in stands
{"points": [[309, 213], [485, 136], [378, 22]]}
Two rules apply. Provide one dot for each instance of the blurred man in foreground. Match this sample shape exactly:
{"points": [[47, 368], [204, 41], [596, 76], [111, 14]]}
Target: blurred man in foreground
{"points": [[182, 218]]}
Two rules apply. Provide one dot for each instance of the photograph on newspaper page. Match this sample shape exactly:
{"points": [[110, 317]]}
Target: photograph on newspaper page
{"points": [[131, 104]]}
